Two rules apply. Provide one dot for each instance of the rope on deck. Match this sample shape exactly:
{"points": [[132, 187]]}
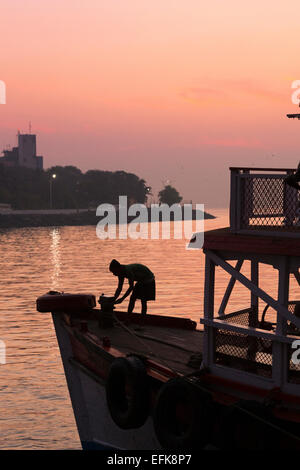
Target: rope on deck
{"points": [[143, 343]]}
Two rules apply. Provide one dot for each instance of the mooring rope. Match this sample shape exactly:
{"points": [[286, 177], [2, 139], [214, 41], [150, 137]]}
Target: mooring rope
{"points": [[133, 333]]}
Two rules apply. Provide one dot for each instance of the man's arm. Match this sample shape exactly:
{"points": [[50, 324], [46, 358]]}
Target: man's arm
{"points": [[130, 288], [119, 288]]}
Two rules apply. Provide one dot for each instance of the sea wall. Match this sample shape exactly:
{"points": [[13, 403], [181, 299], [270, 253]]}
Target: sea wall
{"points": [[63, 218]]}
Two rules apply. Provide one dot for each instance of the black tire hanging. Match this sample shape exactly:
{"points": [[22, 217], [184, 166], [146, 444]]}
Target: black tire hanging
{"points": [[127, 392], [183, 416]]}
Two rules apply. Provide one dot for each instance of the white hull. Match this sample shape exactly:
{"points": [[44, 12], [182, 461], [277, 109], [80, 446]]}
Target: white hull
{"points": [[87, 392]]}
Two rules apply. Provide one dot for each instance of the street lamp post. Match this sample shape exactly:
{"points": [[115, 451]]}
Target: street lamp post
{"points": [[52, 177]]}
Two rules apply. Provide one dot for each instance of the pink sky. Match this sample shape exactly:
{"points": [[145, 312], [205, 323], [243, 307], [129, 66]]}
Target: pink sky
{"points": [[170, 90]]}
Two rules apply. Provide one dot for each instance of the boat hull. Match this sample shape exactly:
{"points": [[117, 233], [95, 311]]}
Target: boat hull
{"points": [[87, 364], [95, 426]]}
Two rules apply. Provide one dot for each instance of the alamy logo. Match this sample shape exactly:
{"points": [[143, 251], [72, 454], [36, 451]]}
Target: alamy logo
{"points": [[2, 352], [2, 92], [296, 93], [188, 222], [295, 356]]}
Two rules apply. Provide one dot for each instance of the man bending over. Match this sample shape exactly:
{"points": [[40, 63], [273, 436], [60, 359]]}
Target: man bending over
{"points": [[141, 283]]}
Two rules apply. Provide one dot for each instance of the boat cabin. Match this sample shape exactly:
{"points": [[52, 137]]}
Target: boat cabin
{"points": [[250, 346]]}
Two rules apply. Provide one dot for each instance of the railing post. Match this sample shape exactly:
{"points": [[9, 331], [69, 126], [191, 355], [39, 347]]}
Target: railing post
{"points": [[246, 195], [254, 297], [234, 173], [280, 362], [253, 314], [209, 293], [290, 203]]}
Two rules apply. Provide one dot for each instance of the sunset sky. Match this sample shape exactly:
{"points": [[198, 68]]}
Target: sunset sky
{"points": [[171, 90]]}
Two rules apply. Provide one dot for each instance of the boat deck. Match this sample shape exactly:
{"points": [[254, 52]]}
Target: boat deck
{"points": [[178, 349], [223, 238]]}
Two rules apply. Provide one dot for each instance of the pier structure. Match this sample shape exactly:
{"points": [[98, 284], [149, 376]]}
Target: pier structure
{"points": [[244, 346]]}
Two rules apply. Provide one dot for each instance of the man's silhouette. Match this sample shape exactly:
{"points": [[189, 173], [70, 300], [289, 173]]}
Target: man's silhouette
{"points": [[141, 283]]}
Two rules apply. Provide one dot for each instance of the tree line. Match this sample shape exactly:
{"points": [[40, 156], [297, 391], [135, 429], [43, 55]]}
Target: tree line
{"points": [[25, 188]]}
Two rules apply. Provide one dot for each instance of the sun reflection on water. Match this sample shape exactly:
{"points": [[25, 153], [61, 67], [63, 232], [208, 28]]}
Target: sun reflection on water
{"points": [[55, 258]]}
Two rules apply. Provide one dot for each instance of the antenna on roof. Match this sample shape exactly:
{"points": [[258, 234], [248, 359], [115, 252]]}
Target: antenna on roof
{"points": [[29, 127]]}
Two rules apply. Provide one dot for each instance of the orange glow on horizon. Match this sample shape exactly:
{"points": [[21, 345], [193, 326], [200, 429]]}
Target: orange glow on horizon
{"points": [[153, 87]]}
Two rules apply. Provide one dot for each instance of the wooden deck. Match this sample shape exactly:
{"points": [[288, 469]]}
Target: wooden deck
{"points": [[224, 239], [177, 349]]}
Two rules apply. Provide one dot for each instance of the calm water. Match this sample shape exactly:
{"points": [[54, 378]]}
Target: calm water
{"points": [[35, 410]]}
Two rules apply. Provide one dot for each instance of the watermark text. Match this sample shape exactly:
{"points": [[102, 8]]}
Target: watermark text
{"points": [[2, 92], [2, 352], [175, 221], [296, 93]]}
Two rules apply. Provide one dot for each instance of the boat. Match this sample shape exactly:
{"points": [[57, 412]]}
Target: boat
{"points": [[232, 382]]}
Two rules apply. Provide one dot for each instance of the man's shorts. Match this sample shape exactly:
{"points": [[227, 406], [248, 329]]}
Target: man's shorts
{"points": [[144, 290]]}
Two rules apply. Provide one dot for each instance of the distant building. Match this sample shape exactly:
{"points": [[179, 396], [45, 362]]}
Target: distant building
{"points": [[24, 154]]}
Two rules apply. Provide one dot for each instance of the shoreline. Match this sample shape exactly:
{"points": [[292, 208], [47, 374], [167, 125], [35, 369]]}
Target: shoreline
{"points": [[68, 217]]}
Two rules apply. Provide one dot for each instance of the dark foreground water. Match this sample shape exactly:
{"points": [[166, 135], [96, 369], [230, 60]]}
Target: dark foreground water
{"points": [[35, 409]]}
